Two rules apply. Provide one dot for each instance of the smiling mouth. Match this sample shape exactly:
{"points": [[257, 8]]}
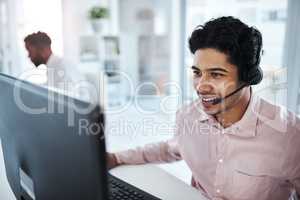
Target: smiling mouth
{"points": [[208, 100]]}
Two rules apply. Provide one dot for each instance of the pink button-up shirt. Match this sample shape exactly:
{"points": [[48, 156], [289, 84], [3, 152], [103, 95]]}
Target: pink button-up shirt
{"points": [[256, 158]]}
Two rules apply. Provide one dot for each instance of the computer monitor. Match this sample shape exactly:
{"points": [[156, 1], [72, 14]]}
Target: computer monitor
{"points": [[53, 145]]}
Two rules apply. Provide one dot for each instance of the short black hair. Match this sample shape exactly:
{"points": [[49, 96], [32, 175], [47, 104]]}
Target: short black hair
{"points": [[241, 43], [39, 39]]}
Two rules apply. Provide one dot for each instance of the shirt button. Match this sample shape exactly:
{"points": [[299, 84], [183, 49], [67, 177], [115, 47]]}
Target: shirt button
{"points": [[218, 191], [221, 160]]}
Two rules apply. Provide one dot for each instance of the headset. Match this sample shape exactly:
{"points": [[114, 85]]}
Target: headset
{"points": [[253, 77]]}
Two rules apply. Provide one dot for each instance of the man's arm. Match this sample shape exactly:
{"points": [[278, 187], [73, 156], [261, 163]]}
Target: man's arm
{"points": [[161, 152], [151, 153]]}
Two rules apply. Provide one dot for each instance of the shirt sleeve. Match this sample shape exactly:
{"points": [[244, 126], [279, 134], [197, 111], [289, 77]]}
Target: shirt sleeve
{"points": [[161, 152]]}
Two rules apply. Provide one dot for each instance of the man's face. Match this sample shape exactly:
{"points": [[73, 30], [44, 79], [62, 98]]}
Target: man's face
{"points": [[215, 77], [35, 55]]}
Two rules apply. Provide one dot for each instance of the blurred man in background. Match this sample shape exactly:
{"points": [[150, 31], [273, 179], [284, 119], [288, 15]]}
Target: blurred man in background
{"points": [[60, 74]]}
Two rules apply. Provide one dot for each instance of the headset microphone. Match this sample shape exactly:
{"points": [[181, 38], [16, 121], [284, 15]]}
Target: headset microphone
{"points": [[219, 100]]}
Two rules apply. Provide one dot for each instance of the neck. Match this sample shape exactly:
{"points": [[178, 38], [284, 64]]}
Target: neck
{"points": [[234, 114]]}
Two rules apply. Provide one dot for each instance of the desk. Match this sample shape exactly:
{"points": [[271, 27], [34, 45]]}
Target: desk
{"points": [[149, 178], [157, 182]]}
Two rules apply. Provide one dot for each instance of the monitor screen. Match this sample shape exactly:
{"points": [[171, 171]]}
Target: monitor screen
{"points": [[53, 145]]}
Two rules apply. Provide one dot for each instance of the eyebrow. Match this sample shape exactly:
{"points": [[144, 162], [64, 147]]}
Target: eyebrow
{"points": [[210, 69]]}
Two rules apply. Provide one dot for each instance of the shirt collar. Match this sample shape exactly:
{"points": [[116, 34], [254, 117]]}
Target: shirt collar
{"points": [[246, 126]]}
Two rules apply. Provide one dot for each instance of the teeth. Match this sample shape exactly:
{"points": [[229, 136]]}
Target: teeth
{"points": [[208, 99]]}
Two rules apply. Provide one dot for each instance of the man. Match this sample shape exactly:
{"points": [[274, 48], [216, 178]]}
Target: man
{"points": [[60, 74], [237, 145]]}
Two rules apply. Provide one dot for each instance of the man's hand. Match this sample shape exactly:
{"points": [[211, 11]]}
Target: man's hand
{"points": [[111, 161]]}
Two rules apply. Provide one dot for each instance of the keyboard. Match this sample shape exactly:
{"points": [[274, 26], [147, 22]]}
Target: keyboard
{"points": [[120, 190]]}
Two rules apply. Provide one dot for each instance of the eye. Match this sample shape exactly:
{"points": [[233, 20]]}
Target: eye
{"points": [[197, 73], [216, 75]]}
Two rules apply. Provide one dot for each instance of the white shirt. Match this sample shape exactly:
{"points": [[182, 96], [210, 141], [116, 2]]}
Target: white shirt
{"points": [[62, 74], [65, 77]]}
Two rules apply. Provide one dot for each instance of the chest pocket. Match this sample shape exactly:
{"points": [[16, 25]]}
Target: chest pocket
{"points": [[249, 187]]}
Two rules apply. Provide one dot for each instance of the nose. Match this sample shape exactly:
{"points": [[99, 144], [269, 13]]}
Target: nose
{"points": [[203, 85]]}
